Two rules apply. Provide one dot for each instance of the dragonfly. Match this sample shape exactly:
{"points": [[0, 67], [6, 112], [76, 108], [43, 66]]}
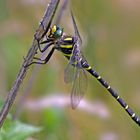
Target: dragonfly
{"points": [[75, 71]]}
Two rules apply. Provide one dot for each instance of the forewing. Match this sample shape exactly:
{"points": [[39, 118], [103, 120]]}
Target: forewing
{"points": [[69, 73], [76, 29], [79, 87], [61, 11]]}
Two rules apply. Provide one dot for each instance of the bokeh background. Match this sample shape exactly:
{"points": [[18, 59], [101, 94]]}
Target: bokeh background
{"points": [[111, 43]]}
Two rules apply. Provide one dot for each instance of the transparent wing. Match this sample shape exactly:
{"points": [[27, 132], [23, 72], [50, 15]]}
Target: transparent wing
{"points": [[61, 11], [69, 73], [76, 29], [76, 74], [74, 71], [79, 87]]}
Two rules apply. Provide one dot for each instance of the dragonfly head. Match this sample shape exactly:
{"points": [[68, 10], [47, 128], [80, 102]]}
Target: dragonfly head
{"points": [[55, 32]]}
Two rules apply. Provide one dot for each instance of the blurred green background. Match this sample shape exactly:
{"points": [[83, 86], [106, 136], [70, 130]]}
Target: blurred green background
{"points": [[110, 32]]}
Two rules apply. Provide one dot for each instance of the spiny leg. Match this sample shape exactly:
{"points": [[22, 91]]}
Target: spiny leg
{"points": [[44, 61], [46, 47], [47, 42]]}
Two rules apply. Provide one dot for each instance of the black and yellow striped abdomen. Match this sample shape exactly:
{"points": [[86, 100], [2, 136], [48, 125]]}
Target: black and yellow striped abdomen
{"points": [[111, 91], [69, 46], [66, 47]]}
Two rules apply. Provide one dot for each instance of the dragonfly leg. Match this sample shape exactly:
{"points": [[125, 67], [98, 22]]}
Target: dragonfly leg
{"points": [[46, 47], [44, 61], [48, 44]]}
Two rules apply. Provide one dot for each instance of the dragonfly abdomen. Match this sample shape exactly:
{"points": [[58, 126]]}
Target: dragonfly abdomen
{"points": [[114, 94]]}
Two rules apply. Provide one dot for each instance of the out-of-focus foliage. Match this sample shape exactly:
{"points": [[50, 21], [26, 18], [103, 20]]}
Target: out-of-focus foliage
{"points": [[110, 33], [16, 130]]}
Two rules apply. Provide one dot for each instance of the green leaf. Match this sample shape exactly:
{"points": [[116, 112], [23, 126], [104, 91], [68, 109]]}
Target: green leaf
{"points": [[15, 130]]}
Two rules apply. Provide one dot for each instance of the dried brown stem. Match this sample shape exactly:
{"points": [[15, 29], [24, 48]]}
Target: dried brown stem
{"points": [[40, 32]]}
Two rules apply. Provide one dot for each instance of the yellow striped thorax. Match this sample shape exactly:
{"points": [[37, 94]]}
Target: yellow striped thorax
{"points": [[66, 44], [55, 32]]}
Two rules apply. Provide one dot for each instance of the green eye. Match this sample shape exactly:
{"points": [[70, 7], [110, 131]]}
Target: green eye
{"points": [[58, 33]]}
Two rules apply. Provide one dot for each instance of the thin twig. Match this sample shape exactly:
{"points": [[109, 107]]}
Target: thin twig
{"points": [[21, 102], [22, 99], [40, 32]]}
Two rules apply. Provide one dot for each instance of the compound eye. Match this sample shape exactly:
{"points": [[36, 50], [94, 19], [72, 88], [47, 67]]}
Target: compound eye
{"points": [[59, 31], [56, 32]]}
